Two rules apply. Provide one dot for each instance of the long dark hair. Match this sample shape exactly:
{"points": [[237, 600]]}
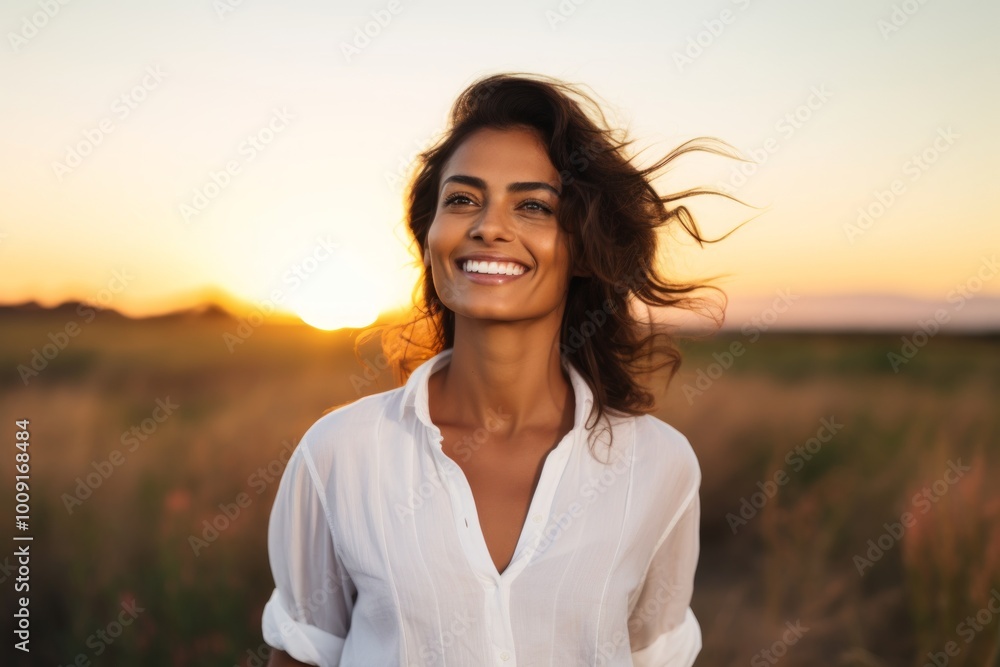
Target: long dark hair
{"points": [[611, 212]]}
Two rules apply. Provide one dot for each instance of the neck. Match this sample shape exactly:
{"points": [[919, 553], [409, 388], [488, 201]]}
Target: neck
{"points": [[505, 381]]}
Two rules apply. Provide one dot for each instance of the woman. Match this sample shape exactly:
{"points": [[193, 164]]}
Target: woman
{"points": [[469, 517]]}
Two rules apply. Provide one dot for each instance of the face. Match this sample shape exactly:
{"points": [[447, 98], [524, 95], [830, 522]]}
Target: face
{"points": [[499, 195]]}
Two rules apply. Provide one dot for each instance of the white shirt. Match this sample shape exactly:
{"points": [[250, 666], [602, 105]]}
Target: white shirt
{"points": [[379, 559]]}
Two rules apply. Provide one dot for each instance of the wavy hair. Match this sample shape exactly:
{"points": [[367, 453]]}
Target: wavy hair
{"points": [[612, 214]]}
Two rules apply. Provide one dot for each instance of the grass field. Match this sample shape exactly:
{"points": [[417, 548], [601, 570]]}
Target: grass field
{"points": [[854, 503]]}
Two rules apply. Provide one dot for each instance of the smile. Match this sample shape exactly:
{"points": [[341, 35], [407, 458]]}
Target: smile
{"points": [[492, 268]]}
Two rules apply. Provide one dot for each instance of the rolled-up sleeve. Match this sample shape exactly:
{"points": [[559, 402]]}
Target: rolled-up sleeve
{"points": [[308, 614], [663, 630]]}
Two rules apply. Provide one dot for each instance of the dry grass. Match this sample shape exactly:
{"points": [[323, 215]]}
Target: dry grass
{"points": [[792, 561]]}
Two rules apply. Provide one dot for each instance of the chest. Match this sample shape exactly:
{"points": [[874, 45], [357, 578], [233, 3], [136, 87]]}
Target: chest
{"points": [[417, 532], [503, 478]]}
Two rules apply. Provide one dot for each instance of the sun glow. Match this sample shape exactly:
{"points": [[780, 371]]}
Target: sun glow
{"points": [[343, 293]]}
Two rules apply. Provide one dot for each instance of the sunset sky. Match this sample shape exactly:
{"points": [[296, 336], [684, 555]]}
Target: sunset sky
{"points": [[121, 117]]}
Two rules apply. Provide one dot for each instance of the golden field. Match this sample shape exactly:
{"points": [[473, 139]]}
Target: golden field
{"points": [[874, 531]]}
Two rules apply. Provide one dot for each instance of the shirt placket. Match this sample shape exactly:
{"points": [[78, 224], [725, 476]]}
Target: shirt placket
{"points": [[497, 588]]}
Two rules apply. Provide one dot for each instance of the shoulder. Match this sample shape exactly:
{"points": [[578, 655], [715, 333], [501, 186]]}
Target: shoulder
{"points": [[348, 431], [656, 438], [665, 458]]}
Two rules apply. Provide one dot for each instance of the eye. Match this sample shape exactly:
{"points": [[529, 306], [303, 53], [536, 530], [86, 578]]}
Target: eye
{"points": [[456, 196], [540, 205]]}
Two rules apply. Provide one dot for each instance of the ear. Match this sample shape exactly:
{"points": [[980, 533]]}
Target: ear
{"points": [[427, 257]]}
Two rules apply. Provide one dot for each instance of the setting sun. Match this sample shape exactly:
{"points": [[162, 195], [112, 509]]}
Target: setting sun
{"points": [[341, 293]]}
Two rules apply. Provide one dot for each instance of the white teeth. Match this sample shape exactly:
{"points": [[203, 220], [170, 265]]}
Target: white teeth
{"points": [[506, 268]]}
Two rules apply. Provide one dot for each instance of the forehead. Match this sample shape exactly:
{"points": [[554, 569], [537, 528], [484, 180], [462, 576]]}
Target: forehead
{"points": [[502, 155]]}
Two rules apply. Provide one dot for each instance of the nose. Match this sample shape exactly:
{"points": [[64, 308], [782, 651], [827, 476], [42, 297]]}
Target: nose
{"points": [[492, 223]]}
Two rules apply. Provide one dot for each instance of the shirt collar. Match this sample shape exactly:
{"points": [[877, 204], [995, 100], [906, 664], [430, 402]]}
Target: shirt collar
{"points": [[415, 392]]}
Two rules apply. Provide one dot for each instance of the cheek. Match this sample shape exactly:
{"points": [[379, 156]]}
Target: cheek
{"points": [[443, 241], [436, 241], [443, 234], [559, 254], [433, 231]]}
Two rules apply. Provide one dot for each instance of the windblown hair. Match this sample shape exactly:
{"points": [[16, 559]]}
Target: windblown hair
{"points": [[610, 211]]}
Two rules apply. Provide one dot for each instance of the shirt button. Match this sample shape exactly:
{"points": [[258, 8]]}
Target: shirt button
{"points": [[504, 656], [537, 518]]}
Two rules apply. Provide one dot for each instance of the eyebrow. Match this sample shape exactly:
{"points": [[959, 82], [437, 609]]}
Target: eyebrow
{"points": [[477, 182]]}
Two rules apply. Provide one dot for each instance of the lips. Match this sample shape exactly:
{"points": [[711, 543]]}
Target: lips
{"points": [[485, 270], [490, 257], [493, 269]]}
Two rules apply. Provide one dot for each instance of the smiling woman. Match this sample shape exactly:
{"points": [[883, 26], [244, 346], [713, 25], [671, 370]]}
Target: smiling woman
{"points": [[466, 517]]}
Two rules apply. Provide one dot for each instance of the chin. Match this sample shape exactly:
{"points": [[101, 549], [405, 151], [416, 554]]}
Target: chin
{"points": [[490, 313]]}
